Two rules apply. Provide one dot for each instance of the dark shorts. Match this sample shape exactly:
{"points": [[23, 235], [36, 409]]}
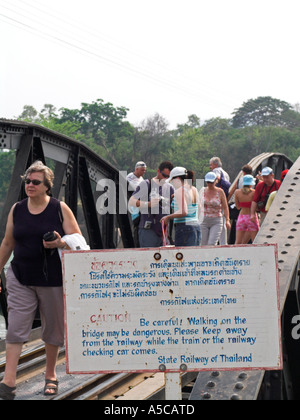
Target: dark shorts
{"points": [[149, 239], [187, 234]]}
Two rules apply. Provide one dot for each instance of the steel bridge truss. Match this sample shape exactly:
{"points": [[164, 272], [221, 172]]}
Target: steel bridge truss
{"points": [[77, 170]]}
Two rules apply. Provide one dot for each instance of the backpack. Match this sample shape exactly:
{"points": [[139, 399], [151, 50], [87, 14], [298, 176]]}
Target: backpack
{"points": [[225, 185]]}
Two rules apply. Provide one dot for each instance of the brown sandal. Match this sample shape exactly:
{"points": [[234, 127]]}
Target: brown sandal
{"points": [[50, 385]]}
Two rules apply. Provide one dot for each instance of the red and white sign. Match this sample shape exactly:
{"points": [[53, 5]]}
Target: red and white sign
{"points": [[172, 309]]}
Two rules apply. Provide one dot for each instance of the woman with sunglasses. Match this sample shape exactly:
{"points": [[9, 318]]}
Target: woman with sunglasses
{"points": [[213, 202], [34, 277]]}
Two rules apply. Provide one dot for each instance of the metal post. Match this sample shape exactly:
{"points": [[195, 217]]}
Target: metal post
{"points": [[173, 386]]}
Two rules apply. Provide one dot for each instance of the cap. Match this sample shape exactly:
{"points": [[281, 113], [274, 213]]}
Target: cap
{"points": [[248, 180], [283, 174], [266, 171], [177, 171], [140, 164], [210, 177]]}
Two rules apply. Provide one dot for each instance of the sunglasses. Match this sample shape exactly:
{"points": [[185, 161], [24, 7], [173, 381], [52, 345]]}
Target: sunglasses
{"points": [[164, 175], [33, 182]]}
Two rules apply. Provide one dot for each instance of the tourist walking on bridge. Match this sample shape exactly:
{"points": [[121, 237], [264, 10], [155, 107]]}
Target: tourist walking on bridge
{"points": [[34, 278], [223, 181], [186, 207], [134, 179], [213, 206], [262, 193], [153, 199], [246, 228]]}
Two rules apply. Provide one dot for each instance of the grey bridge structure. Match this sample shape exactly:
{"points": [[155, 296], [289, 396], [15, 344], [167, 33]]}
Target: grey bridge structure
{"points": [[77, 172]]}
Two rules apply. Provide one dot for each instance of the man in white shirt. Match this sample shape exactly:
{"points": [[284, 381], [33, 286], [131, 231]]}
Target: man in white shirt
{"points": [[216, 167], [136, 177]]}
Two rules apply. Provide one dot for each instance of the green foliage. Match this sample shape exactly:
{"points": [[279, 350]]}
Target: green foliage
{"points": [[105, 124], [260, 125], [263, 111], [191, 150]]}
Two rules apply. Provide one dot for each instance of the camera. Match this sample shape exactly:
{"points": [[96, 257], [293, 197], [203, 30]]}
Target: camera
{"points": [[261, 205], [49, 237]]}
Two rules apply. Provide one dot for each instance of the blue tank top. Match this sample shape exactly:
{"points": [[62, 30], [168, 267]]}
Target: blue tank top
{"points": [[191, 217], [32, 264], [192, 214]]}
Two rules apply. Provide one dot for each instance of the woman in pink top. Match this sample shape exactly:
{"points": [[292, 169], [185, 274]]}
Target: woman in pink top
{"points": [[246, 229], [213, 202]]}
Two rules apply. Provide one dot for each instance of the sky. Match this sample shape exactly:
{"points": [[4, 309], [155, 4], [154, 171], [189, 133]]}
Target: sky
{"points": [[172, 57]]}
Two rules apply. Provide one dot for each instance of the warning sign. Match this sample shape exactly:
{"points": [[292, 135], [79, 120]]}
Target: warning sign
{"points": [[172, 309]]}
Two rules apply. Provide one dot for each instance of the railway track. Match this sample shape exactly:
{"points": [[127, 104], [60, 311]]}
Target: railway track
{"points": [[121, 386]]}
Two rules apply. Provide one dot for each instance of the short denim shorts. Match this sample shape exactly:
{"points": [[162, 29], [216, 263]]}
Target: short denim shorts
{"points": [[187, 234]]}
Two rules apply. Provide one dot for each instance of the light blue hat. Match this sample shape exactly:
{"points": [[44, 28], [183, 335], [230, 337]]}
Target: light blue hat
{"points": [[210, 177], [248, 180], [266, 171]]}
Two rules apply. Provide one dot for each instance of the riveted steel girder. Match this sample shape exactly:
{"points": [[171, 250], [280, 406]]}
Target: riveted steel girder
{"points": [[77, 170]]}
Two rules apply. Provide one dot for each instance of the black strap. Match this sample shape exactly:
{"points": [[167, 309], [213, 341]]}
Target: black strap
{"points": [[61, 217], [272, 187], [268, 191]]}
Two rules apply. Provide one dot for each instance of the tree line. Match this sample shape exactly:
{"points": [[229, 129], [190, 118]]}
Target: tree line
{"points": [[264, 124]]}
